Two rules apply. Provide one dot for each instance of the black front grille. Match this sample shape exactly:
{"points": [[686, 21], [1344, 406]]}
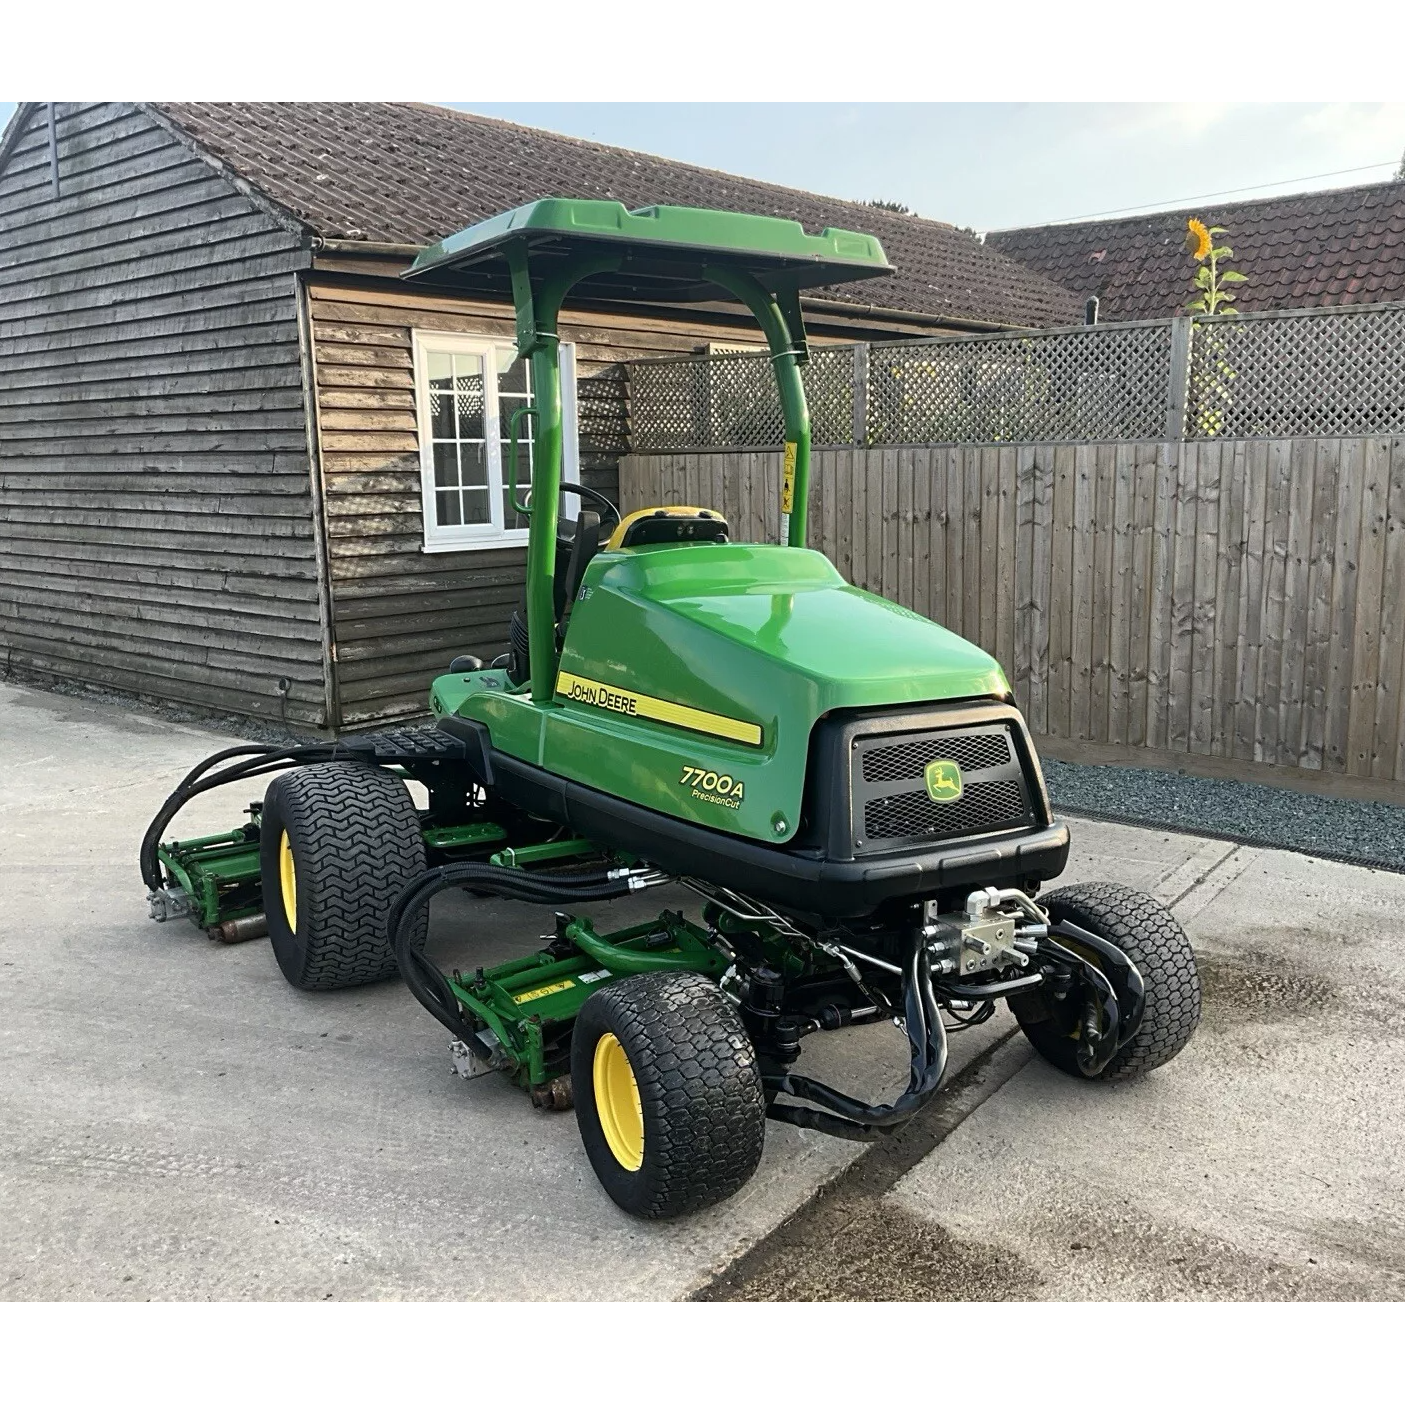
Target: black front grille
{"points": [[912, 815], [973, 752], [891, 805], [867, 789]]}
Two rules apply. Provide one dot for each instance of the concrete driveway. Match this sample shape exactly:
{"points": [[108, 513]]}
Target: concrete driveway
{"points": [[1262, 1163], [177, 1122]]}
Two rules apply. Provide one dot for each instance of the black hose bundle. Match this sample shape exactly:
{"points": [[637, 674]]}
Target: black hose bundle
{"points": [[261, 761], [858, 1121], [427, 983]]}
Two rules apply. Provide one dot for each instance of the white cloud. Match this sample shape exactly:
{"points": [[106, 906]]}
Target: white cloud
{"points": [[1355, 132], [1183, 119]]}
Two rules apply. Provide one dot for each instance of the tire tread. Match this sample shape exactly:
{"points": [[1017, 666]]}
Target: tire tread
{"points": [[356, 828], [1157, 945], [699, 1085]]}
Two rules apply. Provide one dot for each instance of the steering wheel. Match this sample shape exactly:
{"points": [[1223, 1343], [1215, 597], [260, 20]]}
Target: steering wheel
{"points": [[599, 499]]}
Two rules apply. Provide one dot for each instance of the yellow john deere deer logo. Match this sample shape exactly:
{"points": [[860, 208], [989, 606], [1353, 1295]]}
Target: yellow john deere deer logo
{"points": [[943, 781]]}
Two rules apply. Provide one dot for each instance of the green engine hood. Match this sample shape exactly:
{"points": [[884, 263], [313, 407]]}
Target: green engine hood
{"points": [[733, 623], [692, 675]]}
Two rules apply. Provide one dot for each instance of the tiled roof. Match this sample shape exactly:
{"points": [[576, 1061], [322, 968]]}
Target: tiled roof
{"points": [[409, 173], [1324, 249]]}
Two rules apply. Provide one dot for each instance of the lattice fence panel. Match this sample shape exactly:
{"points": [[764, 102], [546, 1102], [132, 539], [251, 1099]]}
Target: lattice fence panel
{"points": [[1333, 372], [730, 401], [1322, 373], [1094, 383]]}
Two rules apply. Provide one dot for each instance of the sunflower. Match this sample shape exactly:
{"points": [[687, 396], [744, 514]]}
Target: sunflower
{"points": [[1197, 240]]}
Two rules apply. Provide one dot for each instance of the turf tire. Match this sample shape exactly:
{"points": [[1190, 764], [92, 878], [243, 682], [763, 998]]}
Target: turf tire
{"points": [[699, 1092], [1159, 948], [356, 843]]}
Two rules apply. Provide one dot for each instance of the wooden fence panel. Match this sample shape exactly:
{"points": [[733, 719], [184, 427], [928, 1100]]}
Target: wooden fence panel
{"points": [[1389, 759], [1270, 682], [1252, 597], [1139, 663], [1366, 644], [1236, 600], [1342, 625]]}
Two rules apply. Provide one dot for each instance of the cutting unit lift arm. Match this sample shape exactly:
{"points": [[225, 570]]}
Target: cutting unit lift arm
{"points": [[845, 785]]}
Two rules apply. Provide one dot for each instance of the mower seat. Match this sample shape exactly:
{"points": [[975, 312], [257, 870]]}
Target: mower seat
{"points": [[585, 544], [651, 526], [577, 544]]}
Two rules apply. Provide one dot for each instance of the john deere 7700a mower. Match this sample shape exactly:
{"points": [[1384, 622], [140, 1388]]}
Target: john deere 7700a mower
{"points": [[844, 785]]}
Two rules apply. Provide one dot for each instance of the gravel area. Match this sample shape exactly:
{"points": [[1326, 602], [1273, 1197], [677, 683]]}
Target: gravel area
{"points": [[1362, 832]]}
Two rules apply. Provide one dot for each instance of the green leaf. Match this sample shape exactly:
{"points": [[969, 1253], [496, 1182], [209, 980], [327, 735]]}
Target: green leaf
{"points": [[1231, 275], [1223, 252], [1218, 229], [1225, 297]]}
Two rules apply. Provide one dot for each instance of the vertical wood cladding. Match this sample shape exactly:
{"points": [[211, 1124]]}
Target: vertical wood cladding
{"points": [[156, 533]]}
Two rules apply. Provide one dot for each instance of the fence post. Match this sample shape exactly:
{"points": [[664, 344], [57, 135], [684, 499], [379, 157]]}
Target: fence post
{"points": [[1179, 383], [860, 430]]}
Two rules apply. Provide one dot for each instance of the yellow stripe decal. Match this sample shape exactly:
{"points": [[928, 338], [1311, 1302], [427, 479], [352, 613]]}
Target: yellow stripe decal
{"points": [[541, 992], [587, 690]]}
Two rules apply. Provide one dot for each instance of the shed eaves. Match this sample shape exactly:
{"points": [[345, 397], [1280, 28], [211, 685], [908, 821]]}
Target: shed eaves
{"points": [[410, 173], [1329, 248]]}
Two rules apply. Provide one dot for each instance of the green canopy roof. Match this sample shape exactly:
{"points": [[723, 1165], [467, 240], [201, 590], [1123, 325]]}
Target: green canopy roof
{"points": [[665, 250]]}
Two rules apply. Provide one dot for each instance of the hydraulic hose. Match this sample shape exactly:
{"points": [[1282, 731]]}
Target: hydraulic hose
{"points": [[858, 1121], [260, 761], [427, 983]]}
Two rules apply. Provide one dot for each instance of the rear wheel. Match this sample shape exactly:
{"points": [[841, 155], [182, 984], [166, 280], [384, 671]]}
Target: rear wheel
{"points": [[668, 1093], [1156, 945], [340, 841]]}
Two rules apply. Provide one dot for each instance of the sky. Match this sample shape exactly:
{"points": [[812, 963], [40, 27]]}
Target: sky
{"points": [[999, 165]]}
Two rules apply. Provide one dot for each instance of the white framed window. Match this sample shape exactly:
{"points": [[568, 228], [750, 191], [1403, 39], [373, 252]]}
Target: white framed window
{"points": [[466, 390]]}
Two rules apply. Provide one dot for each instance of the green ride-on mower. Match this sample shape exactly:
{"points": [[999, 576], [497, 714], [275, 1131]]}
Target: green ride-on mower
{"points": [[846, 787]]}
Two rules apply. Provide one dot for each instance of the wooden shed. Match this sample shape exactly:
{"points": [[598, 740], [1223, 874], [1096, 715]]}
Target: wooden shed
{"points": [[230, 474]]}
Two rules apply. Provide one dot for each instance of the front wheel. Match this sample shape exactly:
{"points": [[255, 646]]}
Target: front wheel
{"points": [[1157, 946], [668, 1093]]}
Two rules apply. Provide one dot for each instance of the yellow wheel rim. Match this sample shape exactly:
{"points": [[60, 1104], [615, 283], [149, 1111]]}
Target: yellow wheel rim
{"points": [[288, 881], [617, 1103]]}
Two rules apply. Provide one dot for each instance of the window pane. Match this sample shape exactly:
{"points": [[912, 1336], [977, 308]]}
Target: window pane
{"points": [[446, 466], [468, 381], [441, 403], [470, 409], [468, 370], [447, 509], [441, 414], [476, 505], [512, 372], [512, 520], [468, 373], [473, 459]]}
